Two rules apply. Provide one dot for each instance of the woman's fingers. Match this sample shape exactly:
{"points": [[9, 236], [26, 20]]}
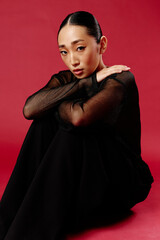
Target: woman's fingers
{"points": [[105, 72], [115, 69]]}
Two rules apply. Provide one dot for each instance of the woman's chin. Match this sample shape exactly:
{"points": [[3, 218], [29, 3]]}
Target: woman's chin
{"points": [[82, 76]]}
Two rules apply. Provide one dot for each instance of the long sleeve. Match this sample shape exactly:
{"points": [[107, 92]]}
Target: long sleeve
{"points": [[61, 86], [114, 105], [105, 105]]}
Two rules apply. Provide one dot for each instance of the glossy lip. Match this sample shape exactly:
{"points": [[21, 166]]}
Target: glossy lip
{"points": [[78, 71]]}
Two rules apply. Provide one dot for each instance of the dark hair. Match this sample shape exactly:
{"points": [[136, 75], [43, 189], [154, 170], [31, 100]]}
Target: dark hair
{"points": [[86, 19]]}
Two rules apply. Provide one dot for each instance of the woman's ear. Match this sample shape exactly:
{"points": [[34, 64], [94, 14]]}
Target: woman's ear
{"points": [[103, 44]]}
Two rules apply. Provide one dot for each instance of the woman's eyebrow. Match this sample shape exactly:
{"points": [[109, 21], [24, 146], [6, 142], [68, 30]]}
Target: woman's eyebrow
{"points": [[74, 42]]}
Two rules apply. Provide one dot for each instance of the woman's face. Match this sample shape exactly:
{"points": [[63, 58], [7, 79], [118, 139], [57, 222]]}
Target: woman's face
{"points": [[79, 51]]}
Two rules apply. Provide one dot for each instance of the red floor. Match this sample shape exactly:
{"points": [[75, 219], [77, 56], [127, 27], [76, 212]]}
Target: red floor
{"points": [[142, 224]]}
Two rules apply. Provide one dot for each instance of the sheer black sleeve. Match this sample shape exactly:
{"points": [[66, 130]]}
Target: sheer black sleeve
{"points": [[104, 106], [62, 86]]}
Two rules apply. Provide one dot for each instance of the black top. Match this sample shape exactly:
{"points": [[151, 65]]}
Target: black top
{"points": [[113, 102]]}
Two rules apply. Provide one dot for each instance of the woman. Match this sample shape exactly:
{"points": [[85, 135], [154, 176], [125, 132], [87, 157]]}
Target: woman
{"points": [[81, 157]]}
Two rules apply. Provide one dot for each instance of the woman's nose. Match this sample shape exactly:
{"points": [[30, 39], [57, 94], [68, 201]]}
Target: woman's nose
{"points": [[74, 60]]}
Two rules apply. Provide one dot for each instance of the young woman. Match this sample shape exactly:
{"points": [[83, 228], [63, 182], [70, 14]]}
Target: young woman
{"points": [[81, 158]]}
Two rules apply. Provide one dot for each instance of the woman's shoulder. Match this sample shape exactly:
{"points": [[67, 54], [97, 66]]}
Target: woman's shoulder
{"points": [[126, 78]]}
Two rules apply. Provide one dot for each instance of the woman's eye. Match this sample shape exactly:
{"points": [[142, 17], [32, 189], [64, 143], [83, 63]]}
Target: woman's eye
{"points": [[81, 48], [63, 53]]}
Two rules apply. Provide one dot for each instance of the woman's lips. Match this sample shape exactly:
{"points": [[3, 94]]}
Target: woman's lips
{"points": [[78, 71]]}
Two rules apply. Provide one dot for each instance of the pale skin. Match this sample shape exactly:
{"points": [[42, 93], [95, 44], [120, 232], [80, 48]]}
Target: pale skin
{"points": [[83, 55]]}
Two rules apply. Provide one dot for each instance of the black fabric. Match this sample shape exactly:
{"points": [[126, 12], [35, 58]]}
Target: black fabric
{"points": [[67, 176], [61, 87]]}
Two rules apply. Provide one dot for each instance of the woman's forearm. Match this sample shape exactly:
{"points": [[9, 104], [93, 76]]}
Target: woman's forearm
{"points": [[105, 105], [57, 91], [47, 98]]}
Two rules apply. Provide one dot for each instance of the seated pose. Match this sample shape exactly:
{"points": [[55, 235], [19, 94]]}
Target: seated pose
{"points": [[81, 158]]}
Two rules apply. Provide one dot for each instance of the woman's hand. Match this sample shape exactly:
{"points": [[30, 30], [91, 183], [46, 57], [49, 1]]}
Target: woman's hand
{"points": [[107, 71]]}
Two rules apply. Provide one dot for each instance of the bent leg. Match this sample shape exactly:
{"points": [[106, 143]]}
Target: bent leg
{"points": [[46, 208], [32, 151]]}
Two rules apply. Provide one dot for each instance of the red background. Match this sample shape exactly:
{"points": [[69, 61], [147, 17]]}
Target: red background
{"points": [[29, 56]]}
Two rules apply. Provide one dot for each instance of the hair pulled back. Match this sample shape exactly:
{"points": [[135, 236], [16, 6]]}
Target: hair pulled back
{"points": [[86, 19]]}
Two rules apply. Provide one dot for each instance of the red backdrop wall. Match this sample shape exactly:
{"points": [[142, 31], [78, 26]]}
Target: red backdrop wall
{"points": [[29, 56]]}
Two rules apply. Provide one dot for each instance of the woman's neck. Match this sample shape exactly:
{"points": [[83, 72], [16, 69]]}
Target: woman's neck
{"points": [[101, 66]]}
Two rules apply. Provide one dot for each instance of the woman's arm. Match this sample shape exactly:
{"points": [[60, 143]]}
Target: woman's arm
{"points": [[64, 86], [61, 87], [106, 104]]}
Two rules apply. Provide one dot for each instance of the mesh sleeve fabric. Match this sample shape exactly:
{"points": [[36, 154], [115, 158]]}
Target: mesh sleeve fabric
{"points": [[105, 105], [61, 87]]}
